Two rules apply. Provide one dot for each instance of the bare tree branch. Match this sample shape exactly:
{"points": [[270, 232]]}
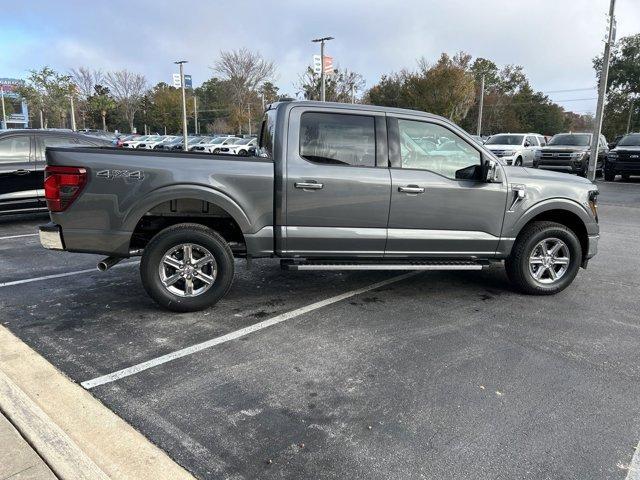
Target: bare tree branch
{"points": [[127, 88]]}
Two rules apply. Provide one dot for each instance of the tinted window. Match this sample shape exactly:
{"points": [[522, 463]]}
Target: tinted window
{"points": [[15, 149], [505, 140], [542, 141], [571, 139], [633, 139], [338, 139], [428, 146], [58, 141], [266, 134]]}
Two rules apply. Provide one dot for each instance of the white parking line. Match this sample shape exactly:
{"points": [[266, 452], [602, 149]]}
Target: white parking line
{"points": [[634, 466], [19, 236], [126, 372], [60, 275]]}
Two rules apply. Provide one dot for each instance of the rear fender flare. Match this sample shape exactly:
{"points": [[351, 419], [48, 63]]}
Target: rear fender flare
{"points": [[196, 192]]}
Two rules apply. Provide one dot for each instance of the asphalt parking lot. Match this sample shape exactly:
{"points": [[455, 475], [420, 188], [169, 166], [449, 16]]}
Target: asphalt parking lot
{"points": [[434, 375]]}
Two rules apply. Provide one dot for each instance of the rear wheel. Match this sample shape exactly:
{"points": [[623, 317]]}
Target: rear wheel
{"points": [[545, 258], [187, 267], [518, 162], [626, 177], [609, 176], [242, 153]]}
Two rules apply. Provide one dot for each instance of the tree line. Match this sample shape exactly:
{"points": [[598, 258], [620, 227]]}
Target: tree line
{"points": [[242, 83]]}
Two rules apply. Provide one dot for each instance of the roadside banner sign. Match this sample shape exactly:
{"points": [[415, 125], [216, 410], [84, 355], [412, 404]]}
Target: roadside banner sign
{"points": [[328, 65], [317, 64], [188, 83]]}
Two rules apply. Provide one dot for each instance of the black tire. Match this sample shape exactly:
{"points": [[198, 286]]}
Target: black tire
{"points": [[518, 162], [609, 176], [216, 151], [242, 153], [517, 265], [626, 177], [201, 237]]}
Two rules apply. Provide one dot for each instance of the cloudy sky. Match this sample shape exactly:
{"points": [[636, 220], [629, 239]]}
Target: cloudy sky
{"points": [[554, 40]]}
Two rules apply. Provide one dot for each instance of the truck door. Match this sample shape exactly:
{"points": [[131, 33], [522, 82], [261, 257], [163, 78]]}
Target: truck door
{"points": [[19, 181], [337, 183], [439, 208]]}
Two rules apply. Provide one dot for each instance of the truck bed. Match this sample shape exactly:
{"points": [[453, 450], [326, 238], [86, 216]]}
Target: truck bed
{"points": [[126, 187]]}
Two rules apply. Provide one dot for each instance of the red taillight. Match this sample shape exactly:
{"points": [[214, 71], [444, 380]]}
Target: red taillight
{"points": [[62, 185]]}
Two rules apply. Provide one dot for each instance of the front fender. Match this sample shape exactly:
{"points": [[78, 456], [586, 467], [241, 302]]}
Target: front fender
{"points": [[197, 192], [512, 230]]}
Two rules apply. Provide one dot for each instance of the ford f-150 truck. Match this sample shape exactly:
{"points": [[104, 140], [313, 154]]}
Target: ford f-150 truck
{"points": [[330, 187]]}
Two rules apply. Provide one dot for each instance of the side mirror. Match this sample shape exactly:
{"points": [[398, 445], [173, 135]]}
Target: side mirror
{"points": [[491, 172]]}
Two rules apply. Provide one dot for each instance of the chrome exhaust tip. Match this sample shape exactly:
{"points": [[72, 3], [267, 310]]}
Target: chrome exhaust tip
{"points": [[108, 262]]}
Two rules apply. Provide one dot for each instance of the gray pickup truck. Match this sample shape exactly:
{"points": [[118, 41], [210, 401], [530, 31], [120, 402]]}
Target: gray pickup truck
{"points": [[330, 187]]}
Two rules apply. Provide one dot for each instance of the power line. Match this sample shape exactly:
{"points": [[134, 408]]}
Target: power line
{"points": [[571, 90]]}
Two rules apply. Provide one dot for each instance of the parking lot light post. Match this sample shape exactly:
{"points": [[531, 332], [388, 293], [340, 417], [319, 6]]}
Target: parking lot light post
{"points": [[602, 93], [631, 102], [480, 106], [73, 113], [4, 113], [195, 114], [184, 104], [322, 75]]}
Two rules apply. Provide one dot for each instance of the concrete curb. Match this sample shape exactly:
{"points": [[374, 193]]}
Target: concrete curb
{"points": [[77, 436], [62, 455]]}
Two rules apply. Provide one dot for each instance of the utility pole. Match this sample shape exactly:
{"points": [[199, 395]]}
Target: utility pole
{"points": [[602, 93], [481, 105], [195, 114], [262, 97], [353, 93], [249, 108], [184, 105], [630, 113], [322, 75], [73, 114], [4, 113]]}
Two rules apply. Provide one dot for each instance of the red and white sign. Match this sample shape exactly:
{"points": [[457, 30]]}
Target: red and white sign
{"points": [[328, 65]]}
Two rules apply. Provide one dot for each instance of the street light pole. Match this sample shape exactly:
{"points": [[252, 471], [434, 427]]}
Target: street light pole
{"points": [[4, 113], [73, 114], [602, 93], [481, 105], [630, 113], [184, 105], [322, 75], [195, 114]]}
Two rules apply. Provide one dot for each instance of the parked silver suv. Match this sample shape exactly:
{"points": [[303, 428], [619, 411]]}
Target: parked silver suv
{"points": [[516, 148]]}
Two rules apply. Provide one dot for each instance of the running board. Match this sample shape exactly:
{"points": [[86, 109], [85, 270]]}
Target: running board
{"points": [[426, 265]]}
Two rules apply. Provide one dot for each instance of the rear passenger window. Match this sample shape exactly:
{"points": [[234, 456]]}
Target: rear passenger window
{"points": [[57, 141], [338, 139], [15, 149]]}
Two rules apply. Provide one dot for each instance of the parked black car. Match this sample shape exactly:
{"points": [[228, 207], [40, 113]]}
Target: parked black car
{"points": [[22, 165], [624, 159]]}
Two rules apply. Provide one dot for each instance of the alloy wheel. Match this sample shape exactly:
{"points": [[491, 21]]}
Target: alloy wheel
{"points": [[549, 260], [188, 270]]}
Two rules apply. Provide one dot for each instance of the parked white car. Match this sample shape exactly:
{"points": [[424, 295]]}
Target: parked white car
{"points": [[214, 145], [516, 148], [151, 141], [242, 146], [135, 141]]}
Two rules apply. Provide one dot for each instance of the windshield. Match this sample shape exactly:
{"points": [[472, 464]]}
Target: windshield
{"points": [[138, 139], [244, 141], [175, 141], [193, 140], [505, 140], [633, 139], [571, 139]]}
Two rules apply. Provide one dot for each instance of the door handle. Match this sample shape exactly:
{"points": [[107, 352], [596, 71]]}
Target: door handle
{"points": [[309, 185], [21, 171], [411, 189]]}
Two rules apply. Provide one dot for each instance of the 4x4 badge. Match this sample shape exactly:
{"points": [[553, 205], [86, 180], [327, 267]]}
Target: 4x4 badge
{"points": [[111, 174]]}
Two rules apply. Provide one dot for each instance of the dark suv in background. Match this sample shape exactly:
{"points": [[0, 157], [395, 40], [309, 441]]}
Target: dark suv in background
{"points": [[22, 165], [624, 159], [570, 152]]}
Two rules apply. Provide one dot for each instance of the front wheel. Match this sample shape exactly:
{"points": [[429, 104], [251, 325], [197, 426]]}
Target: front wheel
{"points": [[187, 267], [518, 162], [609, 176], [545, 258]]}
